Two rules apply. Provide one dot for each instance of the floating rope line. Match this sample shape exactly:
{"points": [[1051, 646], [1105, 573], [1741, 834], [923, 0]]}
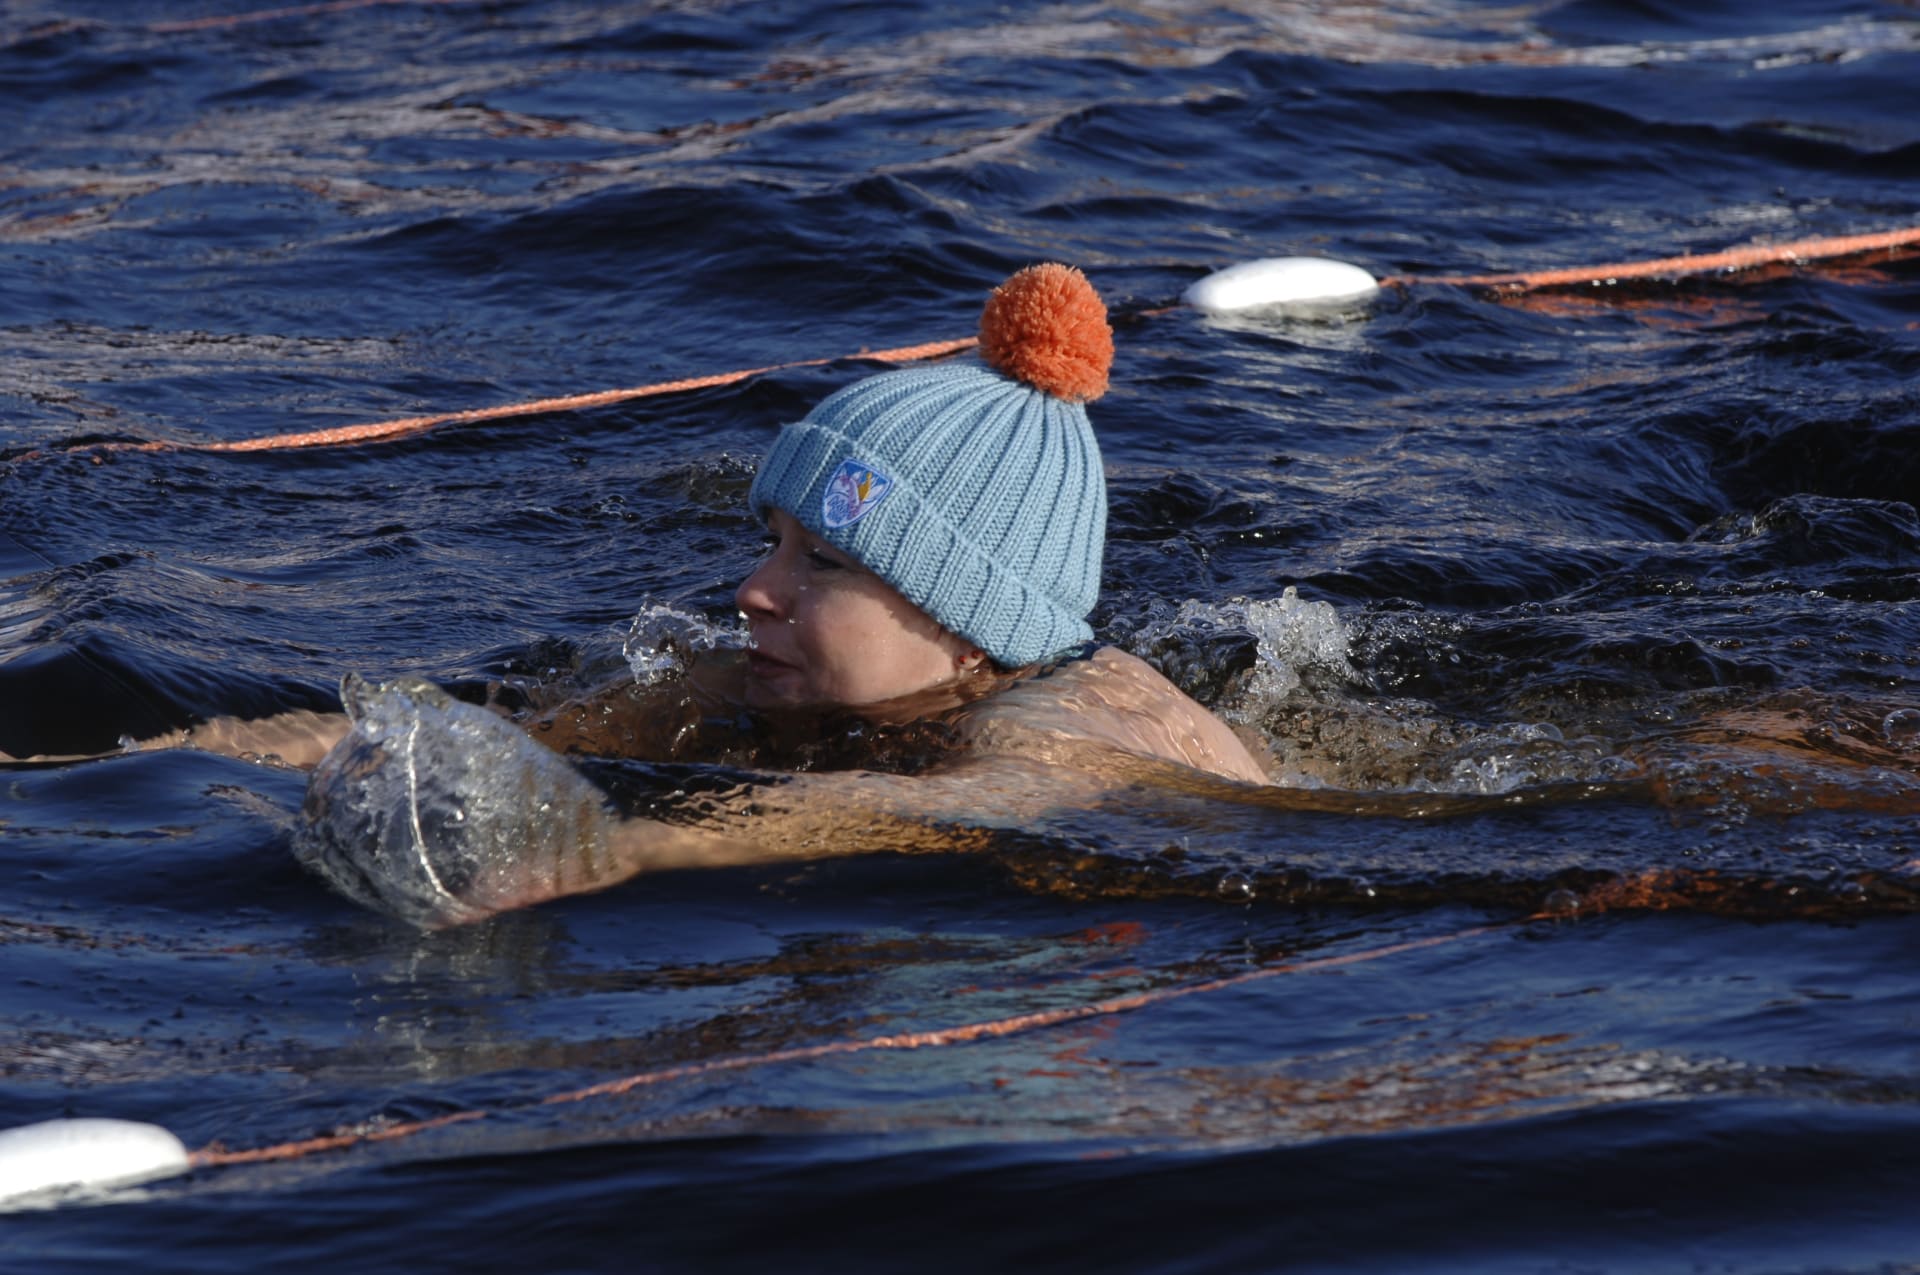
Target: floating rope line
{"points": [[1747, 258], [410, 426], [1271, 281], [215, 1155], [406, 427]]}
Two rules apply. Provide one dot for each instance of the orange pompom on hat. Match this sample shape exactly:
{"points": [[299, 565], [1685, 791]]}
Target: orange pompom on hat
{"points": [[1046, 326], [977, 492]]}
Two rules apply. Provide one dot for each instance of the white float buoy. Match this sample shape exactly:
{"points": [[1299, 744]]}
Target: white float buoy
{"points": [[1281, 281], [87, 1154]]}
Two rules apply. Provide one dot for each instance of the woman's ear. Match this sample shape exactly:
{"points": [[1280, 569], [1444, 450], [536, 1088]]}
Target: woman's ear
{"points": [[971, 659]]}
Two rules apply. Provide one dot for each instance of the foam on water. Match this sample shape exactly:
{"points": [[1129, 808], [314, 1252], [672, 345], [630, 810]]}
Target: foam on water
{"points": [[1310, 701], [1525, 755]]}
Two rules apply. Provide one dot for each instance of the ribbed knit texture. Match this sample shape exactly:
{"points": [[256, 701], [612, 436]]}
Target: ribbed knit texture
{"points": [[997, 519]]}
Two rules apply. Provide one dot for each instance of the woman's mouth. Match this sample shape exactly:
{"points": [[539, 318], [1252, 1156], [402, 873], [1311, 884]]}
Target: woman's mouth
{"points": [[762, 665]]}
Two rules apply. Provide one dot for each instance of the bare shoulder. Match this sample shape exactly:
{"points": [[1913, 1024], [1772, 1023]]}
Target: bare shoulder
{"points": [[1107, 700]]}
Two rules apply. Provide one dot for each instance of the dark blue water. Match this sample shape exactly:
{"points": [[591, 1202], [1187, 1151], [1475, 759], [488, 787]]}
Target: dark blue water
{"points": [[1604, 600]]}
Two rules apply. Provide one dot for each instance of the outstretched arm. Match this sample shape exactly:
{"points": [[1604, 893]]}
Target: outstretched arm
{"points": [[298, 738], [441, 813], [620, 719]]}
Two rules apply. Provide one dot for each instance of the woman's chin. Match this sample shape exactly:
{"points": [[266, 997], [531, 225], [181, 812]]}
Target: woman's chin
{"points": [[776, 688]]}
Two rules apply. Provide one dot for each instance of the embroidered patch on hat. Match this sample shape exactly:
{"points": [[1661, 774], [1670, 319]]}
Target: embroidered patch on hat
{"points": [[855, 488]]}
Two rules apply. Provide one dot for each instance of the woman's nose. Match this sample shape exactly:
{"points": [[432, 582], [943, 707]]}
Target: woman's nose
{"points": [[759, 594]]}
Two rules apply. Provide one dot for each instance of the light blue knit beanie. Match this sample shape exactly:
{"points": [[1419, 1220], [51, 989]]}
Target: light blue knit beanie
{"points": [[977, 492]]}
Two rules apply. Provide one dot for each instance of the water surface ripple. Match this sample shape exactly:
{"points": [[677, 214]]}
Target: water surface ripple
{"points": [[1599, 606]]}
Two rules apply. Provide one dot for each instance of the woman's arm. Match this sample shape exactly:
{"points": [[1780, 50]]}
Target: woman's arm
{"points": [[441, 813], [299, 738], [623, 719]]}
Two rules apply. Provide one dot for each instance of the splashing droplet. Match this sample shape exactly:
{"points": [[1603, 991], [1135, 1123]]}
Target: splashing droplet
{"points": [[1237, 888], [661, 641], [1902, 729]]}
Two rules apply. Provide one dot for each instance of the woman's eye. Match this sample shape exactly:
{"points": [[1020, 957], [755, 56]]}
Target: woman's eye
{"points": [[821, 561]]}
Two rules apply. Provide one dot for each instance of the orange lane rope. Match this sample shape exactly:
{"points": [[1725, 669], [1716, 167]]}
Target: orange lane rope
{"points": [[386, 431], [1798, 251], [408, 426], [215, 1155], [1667, 267]]}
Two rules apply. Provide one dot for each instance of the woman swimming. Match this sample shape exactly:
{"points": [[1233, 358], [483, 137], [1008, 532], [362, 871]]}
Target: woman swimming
{"points": [[937, 535], [936, 539]]}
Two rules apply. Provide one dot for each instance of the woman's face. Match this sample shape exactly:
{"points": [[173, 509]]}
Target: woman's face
{"points": [[827, 631]]}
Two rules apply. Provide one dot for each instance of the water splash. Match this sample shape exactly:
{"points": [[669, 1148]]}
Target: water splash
{"points": [[661, 641], [1296, 672], [1201, 648], [438, 812], [1524, 755]]}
